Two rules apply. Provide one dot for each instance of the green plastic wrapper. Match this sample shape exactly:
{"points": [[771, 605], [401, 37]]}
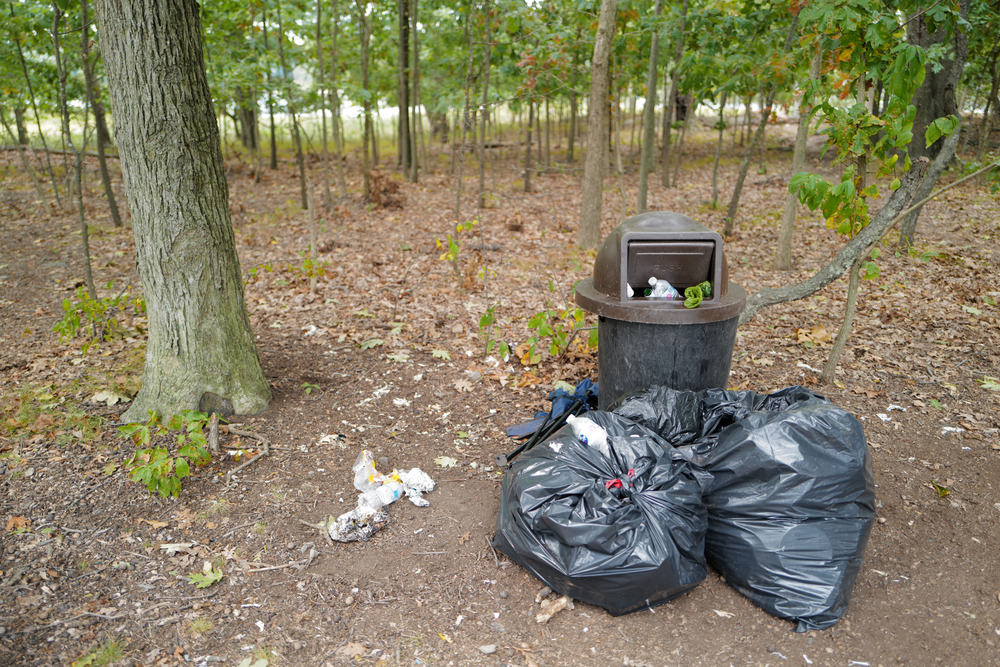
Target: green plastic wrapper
{"points": [[694, 295]]}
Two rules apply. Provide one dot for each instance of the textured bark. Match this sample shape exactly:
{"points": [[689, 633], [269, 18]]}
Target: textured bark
{"points": [[589, 233], [936, 96], [646, 163], [909, 226], [862, 243], [201, 351]]}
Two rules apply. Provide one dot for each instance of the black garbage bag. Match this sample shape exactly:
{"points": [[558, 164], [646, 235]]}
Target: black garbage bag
{"points": [[624, 531], [791, 497]]}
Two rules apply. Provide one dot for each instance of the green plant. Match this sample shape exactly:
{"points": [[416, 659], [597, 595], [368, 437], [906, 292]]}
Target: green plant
{"points": [[491, 335], [156, 467], [308, 387], [559, 328], [199, 625], [453, 249], [107, 652], [100, 314]]}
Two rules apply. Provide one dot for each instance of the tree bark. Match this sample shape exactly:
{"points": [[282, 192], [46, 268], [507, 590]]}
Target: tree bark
{"points": [[485, 107], [646, 161], [403, 86], [860, 244], [99, 121], [783, 253], [718, 150], [936, 96], [908, 228], [322, 106], [669, 102], [414, 163], [201, 352], [589, 233], [338, 146], [367, 105]]}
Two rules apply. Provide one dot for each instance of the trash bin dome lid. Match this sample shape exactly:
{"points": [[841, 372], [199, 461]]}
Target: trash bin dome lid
{"points": [[603, 293]]}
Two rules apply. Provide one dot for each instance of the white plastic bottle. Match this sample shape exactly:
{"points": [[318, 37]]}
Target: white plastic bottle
{"points": [[380, 497]]}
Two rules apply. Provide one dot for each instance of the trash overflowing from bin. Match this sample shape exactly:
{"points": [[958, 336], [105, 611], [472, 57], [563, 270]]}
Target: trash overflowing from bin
{"points": [[377, 491], [775, 491]]}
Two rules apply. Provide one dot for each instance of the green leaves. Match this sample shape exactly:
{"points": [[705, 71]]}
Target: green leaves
{"points": [[155, 467], [942, 127], [208, 576]]}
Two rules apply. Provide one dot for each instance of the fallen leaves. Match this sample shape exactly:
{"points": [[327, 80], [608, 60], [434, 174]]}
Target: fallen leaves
{"points": [[155, 524], [813, 337], [17, 522], [446, 462]]}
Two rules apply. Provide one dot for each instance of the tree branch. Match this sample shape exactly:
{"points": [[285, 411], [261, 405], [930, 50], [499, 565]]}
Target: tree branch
{"points": [[862, 243]]}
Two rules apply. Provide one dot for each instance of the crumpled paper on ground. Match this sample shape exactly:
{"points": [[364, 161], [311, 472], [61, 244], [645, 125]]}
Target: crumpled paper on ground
{"points": [[358, 524]]}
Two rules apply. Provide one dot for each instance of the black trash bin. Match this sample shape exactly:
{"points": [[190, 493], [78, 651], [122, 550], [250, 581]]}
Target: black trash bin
{"points": [[651, 341]]}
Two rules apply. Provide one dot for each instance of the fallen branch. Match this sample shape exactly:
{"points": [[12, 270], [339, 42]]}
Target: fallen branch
{"points": [[248, 434], [863, 242]]}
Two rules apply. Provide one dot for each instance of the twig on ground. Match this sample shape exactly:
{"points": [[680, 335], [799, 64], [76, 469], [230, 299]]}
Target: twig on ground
{"points": [[496, 559], [248, 434]]}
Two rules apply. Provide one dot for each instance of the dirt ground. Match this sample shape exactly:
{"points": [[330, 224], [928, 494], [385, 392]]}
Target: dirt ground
{"points": [[85, 562]]}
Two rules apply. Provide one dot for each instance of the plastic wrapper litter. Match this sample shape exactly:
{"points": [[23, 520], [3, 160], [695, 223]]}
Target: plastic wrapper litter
{"points": [[624, 531], [790, 495]]}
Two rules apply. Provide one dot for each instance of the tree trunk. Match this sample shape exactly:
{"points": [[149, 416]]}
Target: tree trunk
{"points": [[718, 150], [862, 243], [273, 164], [291, 109], [338, 144], [936, 96], [366, 132], [680, 143], [589, 234], [414, 163], [908, 228], [322, 107], [467, 122], [201, 352], [403, 85], [22, 128], [755, 142], [783, 253], [668, 103], [991, 99], [485, 107], [57, 14], [101, 124], [646, 160], [527, 150], [570, 141]]}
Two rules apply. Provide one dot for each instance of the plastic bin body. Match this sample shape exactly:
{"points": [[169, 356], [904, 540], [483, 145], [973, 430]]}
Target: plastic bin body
{"points": [[644, 341]]}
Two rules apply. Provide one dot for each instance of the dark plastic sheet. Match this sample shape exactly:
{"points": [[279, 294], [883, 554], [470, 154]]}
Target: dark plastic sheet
{"points": [[589, 529], [790, 494]]}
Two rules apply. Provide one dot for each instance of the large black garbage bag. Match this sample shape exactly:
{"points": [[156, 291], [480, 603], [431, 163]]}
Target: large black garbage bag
{"points": [[790, 499], [623, 531]]}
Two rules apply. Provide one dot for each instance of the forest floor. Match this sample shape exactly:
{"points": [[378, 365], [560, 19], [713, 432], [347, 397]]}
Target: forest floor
{"points": [[388, 356]]}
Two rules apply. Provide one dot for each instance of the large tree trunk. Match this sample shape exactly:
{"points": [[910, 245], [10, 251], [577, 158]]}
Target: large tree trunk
{"points": [[201, 351], [646, 161], [589, 234], [936, 96]]}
